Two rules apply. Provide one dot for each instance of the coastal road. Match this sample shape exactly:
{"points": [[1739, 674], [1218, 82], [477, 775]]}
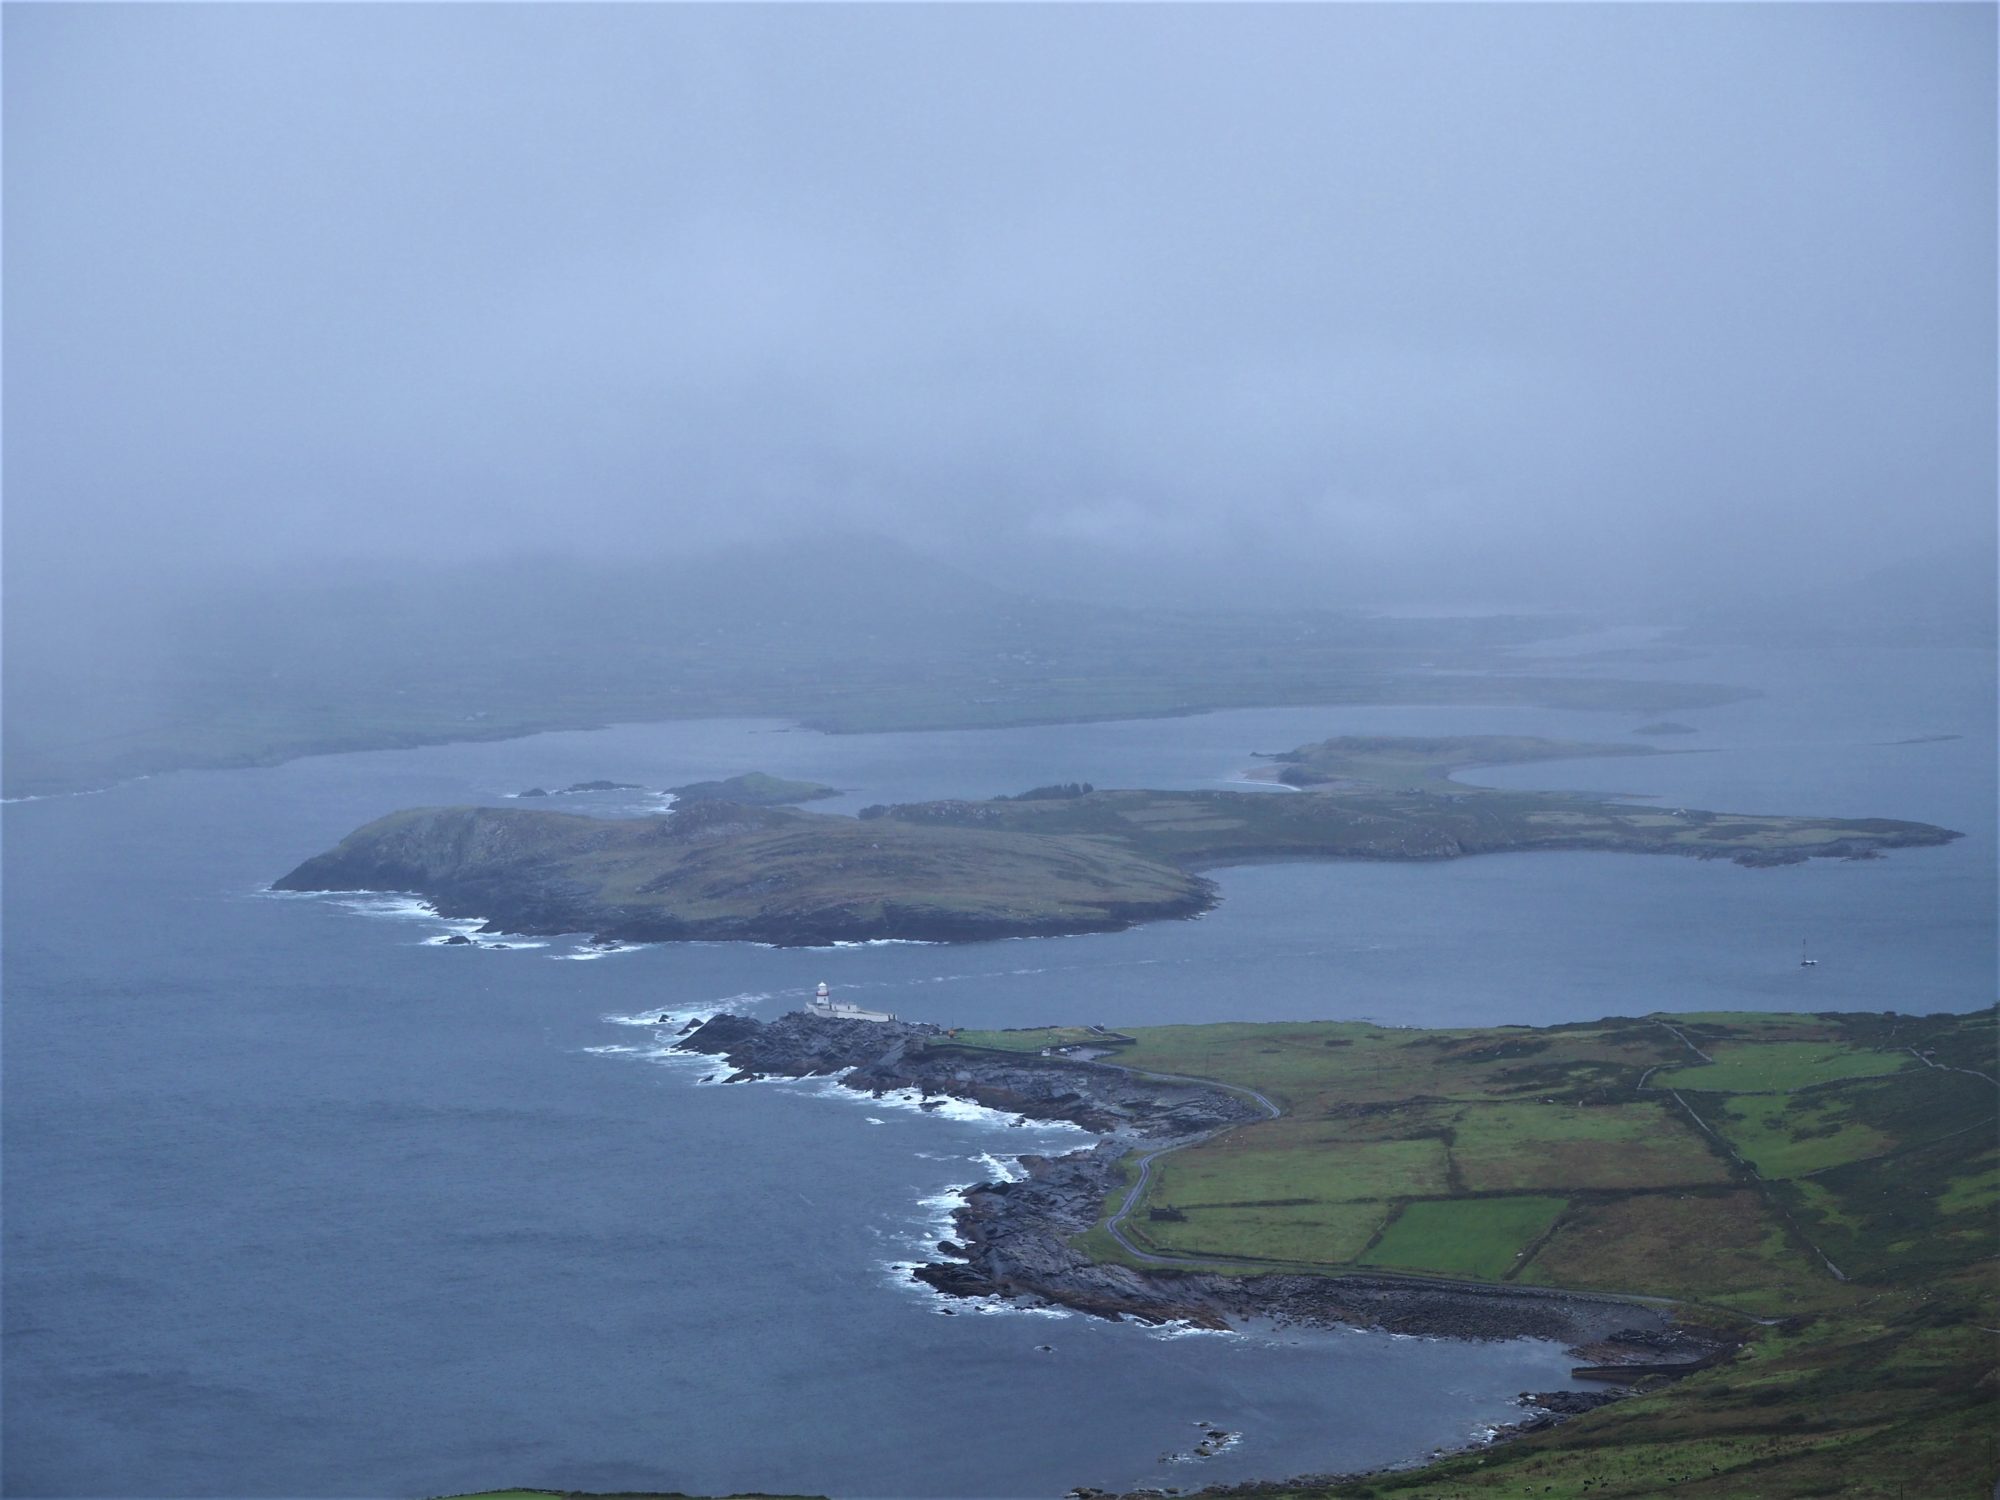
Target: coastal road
{"points": [[1115, 1225]]}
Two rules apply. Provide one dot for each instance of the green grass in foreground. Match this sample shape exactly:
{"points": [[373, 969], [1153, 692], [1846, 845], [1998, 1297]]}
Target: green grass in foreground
{"points": [[1483, 1237], [1560, 1169]]}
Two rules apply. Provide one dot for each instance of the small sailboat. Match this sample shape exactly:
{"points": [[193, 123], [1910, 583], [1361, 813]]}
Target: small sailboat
{"points": [[1806, 960]]}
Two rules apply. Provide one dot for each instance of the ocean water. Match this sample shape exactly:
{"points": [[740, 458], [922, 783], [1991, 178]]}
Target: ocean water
{"points": [[300, 1202]]}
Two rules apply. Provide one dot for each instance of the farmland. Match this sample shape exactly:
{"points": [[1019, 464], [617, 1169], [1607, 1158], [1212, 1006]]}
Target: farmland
{"points": [[1823, 1187]]}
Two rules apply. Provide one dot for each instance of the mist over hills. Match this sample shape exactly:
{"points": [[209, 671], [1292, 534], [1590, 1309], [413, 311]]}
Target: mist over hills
{"points": [[845, 630], [1945, 598]]}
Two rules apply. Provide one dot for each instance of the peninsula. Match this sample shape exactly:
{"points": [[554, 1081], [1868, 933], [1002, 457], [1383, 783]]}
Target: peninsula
{"points": [[1768, 1238], [1063, 860]]}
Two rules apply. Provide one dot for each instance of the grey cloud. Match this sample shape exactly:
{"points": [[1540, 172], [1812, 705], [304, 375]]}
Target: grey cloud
{"points": [[1317, 301]]}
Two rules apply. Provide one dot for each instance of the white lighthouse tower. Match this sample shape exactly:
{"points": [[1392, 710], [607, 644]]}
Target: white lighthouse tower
{"points": [[823, 1004]]}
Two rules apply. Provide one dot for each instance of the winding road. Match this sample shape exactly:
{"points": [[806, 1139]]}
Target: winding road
{"points": [[1115, 1225]]}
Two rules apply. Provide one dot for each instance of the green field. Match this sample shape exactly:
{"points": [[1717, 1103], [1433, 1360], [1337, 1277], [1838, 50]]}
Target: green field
{"points": [[1780, 1067], [1503, 1146], [1483, 1237], [1318, 1234]]}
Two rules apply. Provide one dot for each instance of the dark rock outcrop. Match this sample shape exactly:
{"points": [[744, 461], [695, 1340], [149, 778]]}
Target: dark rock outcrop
{"points": [[883, 1056]]}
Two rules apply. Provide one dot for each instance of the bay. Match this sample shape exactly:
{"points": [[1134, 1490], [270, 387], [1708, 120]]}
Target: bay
{"points": [[299, 1202]]}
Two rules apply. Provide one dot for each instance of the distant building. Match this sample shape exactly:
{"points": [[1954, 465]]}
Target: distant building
{"points": [[823, 1004]]}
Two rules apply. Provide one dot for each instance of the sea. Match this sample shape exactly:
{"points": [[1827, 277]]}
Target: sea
{"points": [[301, 1200]]}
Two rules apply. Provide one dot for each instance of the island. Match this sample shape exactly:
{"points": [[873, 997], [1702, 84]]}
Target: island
{"points": [[754, 789], [1766, 1238], [1068, 859], [579, 788], [1378, 760]]}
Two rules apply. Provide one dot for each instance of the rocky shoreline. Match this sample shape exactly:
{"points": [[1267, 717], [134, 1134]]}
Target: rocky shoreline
{"points": [[879, 1057], [1012, 1239]]}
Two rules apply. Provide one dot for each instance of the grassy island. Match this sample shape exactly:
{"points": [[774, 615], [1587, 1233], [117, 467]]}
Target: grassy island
{"points": [[1063, 859]]}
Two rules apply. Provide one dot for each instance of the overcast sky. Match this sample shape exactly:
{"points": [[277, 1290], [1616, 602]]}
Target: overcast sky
{"points": [[1352, 303]]}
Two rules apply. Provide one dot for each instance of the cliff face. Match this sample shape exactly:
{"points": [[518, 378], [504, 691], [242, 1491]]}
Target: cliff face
{"points": [[726, 871]]}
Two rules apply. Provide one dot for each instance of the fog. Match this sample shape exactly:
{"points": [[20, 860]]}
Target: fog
{"points": [[1607, 306]]}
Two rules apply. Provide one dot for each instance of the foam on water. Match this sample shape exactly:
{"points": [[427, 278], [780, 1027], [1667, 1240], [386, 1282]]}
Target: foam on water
{"points": [[838, 944], [88, 791], [394, 906], [705, 1010], [583, 955], [938, 1209], [1005, 1169]]}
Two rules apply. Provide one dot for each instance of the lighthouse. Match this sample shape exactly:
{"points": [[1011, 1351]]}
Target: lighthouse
{"points": [[823, 1004]]}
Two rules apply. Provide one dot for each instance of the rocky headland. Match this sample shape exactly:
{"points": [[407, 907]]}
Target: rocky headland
{"points": [[878, 1057], [1015, 1239]]}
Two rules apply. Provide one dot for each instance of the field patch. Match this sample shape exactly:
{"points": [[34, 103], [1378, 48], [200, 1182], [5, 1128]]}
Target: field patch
{"points": [[1255, 1165], [1789, 1135], [1718, 1246], [1480, 1237], [1780, 1067], [1904, 1216], [1503, 1146], [1312, 1234]]}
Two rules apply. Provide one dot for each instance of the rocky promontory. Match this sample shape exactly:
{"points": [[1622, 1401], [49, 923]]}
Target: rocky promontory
{"points": [[1016, 1239], [880, 1056]]}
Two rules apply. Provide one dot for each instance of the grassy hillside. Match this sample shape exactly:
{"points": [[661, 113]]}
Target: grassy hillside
{"points": [[1408, 820], [720, 870]]}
